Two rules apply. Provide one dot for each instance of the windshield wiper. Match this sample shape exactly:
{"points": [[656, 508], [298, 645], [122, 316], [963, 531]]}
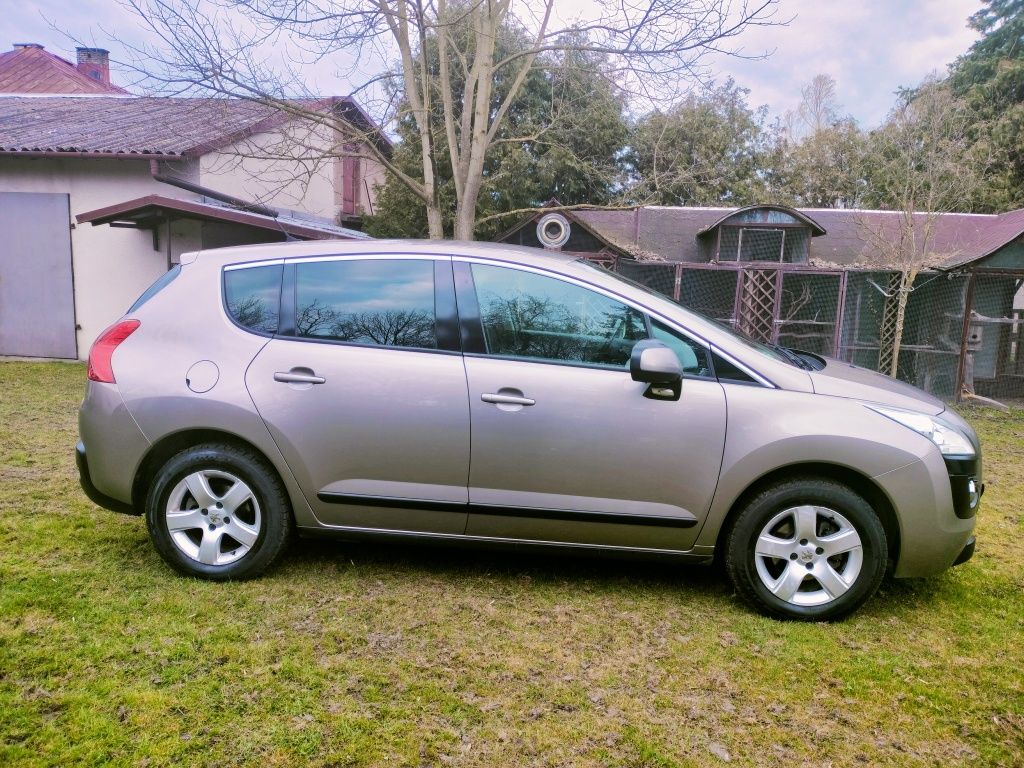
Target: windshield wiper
{"points": [[793, 357]]}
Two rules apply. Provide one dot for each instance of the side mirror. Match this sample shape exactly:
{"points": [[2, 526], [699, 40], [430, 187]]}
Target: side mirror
{"points": [[656, 364]]}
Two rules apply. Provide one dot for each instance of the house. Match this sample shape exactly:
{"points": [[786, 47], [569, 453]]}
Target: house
{"points": [[101, 191], [821, 280]]}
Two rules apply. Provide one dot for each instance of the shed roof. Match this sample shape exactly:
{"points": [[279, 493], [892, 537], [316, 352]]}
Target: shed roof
{"points": [[671, 232], [143, 212], [30, 68], [165, 126]]}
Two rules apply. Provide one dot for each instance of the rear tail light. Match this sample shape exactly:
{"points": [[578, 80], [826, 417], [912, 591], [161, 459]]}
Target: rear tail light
{"points": [[103, 350]]}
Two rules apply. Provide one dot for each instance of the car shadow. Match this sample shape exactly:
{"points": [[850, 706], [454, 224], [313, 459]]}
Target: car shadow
{"points": [[456, 563]]}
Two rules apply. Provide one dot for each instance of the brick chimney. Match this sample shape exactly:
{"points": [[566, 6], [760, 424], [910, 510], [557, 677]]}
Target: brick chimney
{"points": [[94, 63]]}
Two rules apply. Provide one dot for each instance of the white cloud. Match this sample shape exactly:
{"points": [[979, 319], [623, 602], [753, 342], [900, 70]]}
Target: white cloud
{"points": [[871, 47]]}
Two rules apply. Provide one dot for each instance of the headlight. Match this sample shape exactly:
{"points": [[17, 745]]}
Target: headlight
{"points": [[951, 441]]}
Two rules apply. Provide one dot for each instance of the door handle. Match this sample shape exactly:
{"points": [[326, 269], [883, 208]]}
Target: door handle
{"points": [[499, 399], [295, 377]]}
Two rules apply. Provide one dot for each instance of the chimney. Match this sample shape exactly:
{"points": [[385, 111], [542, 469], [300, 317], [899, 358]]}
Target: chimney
{"points": [[94, 63]]}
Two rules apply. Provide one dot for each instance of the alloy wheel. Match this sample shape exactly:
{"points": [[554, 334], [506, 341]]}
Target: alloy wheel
{"points": [[808, 555], [213, 517]]}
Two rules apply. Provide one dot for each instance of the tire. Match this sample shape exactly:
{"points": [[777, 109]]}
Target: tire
{"points": [[806, 549], [218, 512]]}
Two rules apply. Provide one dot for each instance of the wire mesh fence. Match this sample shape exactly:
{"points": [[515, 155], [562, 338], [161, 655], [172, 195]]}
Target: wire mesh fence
{"points": [[857, 316]]}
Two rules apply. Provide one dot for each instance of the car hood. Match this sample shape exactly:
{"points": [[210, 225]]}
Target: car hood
{"points": [[842, 379]]}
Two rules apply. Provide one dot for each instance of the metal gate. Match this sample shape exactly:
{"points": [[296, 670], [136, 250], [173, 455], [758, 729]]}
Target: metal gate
{"points": [[37, 302]]}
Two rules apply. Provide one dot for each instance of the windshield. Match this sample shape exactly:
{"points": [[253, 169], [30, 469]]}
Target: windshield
{"points": [[770, 351]]}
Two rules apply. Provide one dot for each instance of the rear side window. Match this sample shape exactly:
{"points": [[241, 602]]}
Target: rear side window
{"points": [[253, 297], [383, 302], [161, 282]]}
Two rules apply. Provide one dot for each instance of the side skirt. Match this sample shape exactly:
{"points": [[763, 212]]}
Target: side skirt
{"points": [[353, 533]]}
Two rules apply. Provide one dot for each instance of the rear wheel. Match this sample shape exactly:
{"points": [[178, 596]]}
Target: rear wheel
{"points": [[218, 512], [807, 549]]}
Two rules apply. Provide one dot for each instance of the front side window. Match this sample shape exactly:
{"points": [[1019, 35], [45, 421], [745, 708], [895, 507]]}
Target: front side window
{"points": [[533, 316], [384, 302], [253, 297], [694, 358]]}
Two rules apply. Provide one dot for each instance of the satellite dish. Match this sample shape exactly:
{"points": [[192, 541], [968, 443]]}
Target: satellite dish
{"points": [[553, 230]]}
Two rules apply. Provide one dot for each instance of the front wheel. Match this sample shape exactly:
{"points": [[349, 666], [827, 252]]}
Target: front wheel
{"points": [[218, 512], [806, 549]]}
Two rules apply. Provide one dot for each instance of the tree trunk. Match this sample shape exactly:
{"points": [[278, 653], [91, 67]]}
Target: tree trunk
{"points": [[435, 224]]}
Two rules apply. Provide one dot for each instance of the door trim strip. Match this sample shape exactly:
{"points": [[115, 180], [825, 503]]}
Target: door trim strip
{"points": [[620, 518]]}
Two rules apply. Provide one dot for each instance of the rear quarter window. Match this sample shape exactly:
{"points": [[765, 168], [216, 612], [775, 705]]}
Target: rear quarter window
{"points": [[252, 296]]}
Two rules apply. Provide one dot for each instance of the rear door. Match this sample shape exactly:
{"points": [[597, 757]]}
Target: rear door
{"points": [[364, 391]]}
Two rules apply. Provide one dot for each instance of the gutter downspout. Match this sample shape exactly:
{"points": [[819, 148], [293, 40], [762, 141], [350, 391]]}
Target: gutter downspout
{"points": [[188, 186]]}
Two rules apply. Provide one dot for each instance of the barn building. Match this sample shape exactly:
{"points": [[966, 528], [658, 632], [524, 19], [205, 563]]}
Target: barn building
{"points": [[823, 281]]}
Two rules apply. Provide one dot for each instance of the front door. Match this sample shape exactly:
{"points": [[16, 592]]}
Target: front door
{"points": [[565, 447], [364, 392]]}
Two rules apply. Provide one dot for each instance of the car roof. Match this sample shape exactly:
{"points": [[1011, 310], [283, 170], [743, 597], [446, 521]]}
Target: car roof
{"points": [[292, 250]]}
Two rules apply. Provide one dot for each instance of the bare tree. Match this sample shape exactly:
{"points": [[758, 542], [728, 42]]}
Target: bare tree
{"points": [[922, 164], [214, 47]]}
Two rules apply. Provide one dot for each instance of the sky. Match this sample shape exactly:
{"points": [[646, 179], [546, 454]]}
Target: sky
{"points": [[870, 47]]}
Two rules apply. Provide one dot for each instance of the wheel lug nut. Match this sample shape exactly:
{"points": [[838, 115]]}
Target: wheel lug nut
{"points": [[803, 542], [212, 527], [810, 566], [219, 505], [820, 551], [227, 520], [203, 512], [793, 556]]}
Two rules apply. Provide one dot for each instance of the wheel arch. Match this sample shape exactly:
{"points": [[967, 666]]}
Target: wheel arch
{"points": [[169, 445], [856, 481]]}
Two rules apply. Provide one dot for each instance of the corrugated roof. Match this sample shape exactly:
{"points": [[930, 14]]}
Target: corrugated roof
{"points": [[31, 69], [137, 125], [148, 125]]}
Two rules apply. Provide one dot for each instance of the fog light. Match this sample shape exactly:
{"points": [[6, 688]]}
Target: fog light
{"points": [[973, 497]]}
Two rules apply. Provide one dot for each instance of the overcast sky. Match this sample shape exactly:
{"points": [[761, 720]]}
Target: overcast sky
{"points": [[871, 47]]}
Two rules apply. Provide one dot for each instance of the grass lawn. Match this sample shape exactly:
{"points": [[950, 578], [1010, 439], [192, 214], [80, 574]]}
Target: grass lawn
{"points": [[355, 655]]}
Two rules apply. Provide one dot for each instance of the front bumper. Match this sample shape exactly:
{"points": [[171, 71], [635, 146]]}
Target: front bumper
{"points": [[967, 552], [95, 496]]}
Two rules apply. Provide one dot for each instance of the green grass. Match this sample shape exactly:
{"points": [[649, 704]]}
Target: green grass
{"points": [[360, 655]]}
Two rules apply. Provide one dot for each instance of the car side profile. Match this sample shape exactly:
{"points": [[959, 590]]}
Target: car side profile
{"points": [[505, 396]]}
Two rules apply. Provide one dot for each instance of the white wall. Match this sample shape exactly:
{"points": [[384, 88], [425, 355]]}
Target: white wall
{"points": [[268, 168], [291, 168], [112, 266]]}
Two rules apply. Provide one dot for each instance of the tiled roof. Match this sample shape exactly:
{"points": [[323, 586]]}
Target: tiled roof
{"points": [[31, 69], [142, 124], [671, 233]]}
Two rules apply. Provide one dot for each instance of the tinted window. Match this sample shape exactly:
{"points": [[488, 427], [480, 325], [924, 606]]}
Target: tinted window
{"points": [[253, 296], [161, 282], [530, 315], [694, 358], [727, 372], [389, 302]]}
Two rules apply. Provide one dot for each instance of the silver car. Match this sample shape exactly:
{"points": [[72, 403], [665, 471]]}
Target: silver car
{"points": [[511, 397]]}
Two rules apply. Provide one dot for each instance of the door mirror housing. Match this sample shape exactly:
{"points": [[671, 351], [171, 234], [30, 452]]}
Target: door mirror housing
{"points": [[654, 363]]}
